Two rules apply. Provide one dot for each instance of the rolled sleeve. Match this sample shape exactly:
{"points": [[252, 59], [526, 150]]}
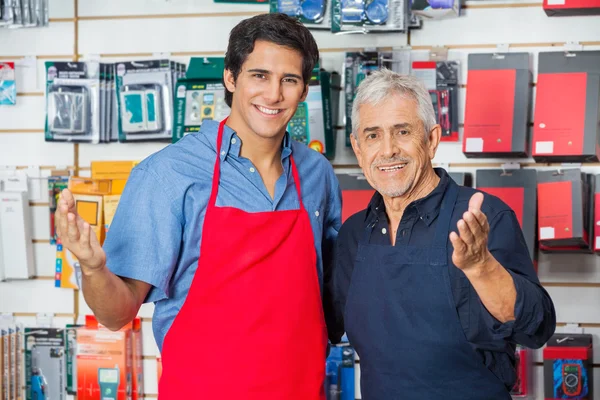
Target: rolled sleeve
{"points": [[535, 318], [144, 239]]}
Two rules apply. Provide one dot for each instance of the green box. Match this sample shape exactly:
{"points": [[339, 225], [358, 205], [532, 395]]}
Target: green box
{"points": [[199, 96]]}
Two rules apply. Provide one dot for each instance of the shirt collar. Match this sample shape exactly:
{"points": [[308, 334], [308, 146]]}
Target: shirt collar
{"points": [[231, 143], [427, 207]]}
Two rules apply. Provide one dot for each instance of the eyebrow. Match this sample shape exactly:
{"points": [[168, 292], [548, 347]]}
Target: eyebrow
{"points": [[397, 126], [267, 72]]}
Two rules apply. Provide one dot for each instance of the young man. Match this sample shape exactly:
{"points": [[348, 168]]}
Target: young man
{"points": [[433, 282], [228, 232]]}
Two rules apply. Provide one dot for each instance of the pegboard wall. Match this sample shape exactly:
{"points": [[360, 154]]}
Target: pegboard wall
{"points": [[140, 29]]}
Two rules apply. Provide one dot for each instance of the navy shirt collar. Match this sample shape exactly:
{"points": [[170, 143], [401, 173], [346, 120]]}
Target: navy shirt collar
{"points": [[427, 207], [232, 144]]}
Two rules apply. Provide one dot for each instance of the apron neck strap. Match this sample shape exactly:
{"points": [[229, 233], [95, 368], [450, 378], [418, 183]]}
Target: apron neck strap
{"points": [[217, 170]]}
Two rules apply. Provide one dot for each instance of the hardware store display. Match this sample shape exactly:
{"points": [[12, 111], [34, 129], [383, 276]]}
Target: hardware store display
{"points": [[568, 367], [369, 16], [8, 87], [497, 126], [566, 123]]}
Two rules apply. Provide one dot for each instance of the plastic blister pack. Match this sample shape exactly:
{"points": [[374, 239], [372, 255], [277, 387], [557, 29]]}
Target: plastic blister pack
{"points": [[73, 106], [364, 16], [23, 13], [145, 99], [8, 87], [314, 14]]}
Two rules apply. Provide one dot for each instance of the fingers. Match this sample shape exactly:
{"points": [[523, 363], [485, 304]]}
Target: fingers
{"points": [[458, 244], [73, 233], [476, 201], [69, 200], [465, 232], [85, 236]]}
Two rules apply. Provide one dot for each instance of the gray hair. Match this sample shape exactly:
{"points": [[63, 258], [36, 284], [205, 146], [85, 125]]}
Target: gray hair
{"points": [[379, 84]]}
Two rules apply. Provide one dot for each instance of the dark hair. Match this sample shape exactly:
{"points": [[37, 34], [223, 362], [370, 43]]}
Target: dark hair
{"points": [[276, 28]]}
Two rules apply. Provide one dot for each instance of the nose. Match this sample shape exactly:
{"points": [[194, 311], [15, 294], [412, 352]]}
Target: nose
{"points": [[273, 93], [389, 147]]}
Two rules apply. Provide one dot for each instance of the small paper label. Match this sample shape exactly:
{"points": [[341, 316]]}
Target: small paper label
{"points": [[474, 145], [544, 147], [557, 2], [597, 247], [181, 92], [547, 233]]}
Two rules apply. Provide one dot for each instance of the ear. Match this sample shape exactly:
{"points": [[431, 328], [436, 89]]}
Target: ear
{"points": [[304, 94], [229, 80], [434, 140], [356, 148]]}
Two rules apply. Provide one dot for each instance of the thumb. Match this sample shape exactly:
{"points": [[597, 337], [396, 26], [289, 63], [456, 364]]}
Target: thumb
{"points": [[476, 201], [69, 199]]}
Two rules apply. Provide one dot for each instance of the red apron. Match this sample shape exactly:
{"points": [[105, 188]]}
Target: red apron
{"points": [[252, 325]]}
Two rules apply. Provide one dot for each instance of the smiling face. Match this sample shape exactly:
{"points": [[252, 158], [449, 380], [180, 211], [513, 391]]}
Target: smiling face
{"points": [[393, 148], [267, 90]]}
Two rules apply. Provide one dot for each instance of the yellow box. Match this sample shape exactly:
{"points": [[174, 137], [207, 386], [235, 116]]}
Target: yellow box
{"points": [[110, 208], [112, 169], [118, 185], [82, 185], [91, 209]]}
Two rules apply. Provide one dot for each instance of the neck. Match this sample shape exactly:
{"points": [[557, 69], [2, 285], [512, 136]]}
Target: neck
{"points": [[263, 152], [395, 206]]}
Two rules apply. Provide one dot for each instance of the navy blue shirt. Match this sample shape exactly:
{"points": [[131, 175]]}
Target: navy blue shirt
{"points": [[494, 341]]}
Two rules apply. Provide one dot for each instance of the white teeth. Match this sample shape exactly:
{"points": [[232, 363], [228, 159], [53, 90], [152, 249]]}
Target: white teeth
{"points": [[268, 110], [393, 168]]}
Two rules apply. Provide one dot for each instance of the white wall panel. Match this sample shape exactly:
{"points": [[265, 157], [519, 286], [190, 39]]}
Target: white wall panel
{"points": [[150, 377], [28, 113], [162, 7], [117, 151], [57, 38], [34, 296], [30, 149], [506, 25], [45, 259], [62, 8], [41, 222]]}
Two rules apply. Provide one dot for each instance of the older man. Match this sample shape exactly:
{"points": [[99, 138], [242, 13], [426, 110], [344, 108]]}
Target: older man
{"points": [[433, 282]]}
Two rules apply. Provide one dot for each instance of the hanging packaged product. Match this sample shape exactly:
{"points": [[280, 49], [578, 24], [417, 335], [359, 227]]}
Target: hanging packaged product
{"points": [[45, 374], [565, 217], [414, 21], [356, 193], [314, 14], [312, 123], [104, 362], [436, 9], [565, 8], [359, 65], [56, 184], [568, 367], [199, 96], [339, 369], [518, 189], [71, 358], [441, 79], [596, 224], [8, 87], [566, 124], [497, 105], [73, 109], [363, 16], [145, 97], [3, 366]]}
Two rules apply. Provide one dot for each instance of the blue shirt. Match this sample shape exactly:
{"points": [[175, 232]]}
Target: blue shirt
{"points": [[156, 232], [494, 341]]}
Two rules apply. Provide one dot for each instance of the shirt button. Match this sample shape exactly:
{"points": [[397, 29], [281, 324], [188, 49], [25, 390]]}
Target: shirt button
{"points": [[317, 213], [252, 169], [223, 153], [233, 141], [384, 231]]}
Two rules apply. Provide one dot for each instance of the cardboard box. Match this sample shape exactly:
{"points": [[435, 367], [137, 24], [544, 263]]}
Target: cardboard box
{"points": [[568, 367], [112, 169], [566, 8], [45, 363], [566, 122], [110, 208], [356, 193], [563, 216], [497, 105], [518, 189], [104, 363]]}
